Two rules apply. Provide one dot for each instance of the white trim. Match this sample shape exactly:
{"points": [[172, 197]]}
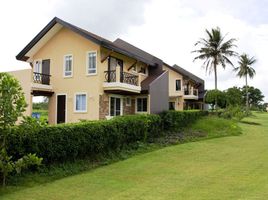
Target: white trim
{"points": [[41, 86], [121, 104], [87, 63], [136, 104], [176, 84], [78, 111], [121, 86], [56, 113], [128, 104], [64, 76], [38, 60]]}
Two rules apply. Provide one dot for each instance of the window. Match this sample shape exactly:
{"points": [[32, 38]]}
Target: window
{"points": [[171, 105], [142, 104], [38, 66], [128, 101], [68, 65], [81, 102], [92, 63], [134, 68], [178, 85], [115, 106], [143, 70]]}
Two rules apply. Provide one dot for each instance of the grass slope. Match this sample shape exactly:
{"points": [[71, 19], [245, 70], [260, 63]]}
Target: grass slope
{"points": [[220, 168]]}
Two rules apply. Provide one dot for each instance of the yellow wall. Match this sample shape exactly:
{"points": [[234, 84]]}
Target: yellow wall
{"points": [[173, 76], [67, 42], [25, 77]]}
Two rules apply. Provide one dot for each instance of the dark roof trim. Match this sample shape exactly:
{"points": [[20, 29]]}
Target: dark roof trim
{"points": [[43, 32], [90, 36], [185, 73]]}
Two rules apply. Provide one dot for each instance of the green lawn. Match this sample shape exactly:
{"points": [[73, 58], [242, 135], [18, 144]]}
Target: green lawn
{"points": [[43, 113], [220, 168]]}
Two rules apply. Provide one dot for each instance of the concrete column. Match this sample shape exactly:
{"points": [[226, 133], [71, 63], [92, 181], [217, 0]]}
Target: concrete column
{"points": [[117, 72]]}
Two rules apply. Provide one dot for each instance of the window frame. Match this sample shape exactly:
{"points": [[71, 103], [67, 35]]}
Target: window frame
{"points": [[37, 60], [87, 63], [80, 111], [128, 104], [64, 66], [142, 106], [180, 85], [121, 105]]}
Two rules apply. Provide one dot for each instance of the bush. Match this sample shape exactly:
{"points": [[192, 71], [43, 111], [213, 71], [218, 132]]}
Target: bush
{"points": [[80, 140], [234, 112], [176, 120], [91, 139]]}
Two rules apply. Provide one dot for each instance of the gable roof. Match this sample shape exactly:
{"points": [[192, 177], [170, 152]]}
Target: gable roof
{"points": [[137, 51], [56, 24], [185, 73]]}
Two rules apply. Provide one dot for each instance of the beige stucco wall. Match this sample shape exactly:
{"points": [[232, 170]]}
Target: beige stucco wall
{"points": [[67, 42], [173, 76], [25, 77]]}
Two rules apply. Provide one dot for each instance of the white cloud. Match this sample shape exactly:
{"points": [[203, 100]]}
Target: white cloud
{"points": [[171, 29], [167, 29]]}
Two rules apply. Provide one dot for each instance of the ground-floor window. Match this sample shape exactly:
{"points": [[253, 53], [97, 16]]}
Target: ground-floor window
{"points": [[141, 104], [171, 105], [80, 102], [115, 106]]}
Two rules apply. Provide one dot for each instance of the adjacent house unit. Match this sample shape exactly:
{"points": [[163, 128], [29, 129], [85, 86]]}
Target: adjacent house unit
{"points": [[88, 77]]}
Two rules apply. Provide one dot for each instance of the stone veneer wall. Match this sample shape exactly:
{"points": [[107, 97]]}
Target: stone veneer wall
{"points": [[104, 106], [129, 110]]}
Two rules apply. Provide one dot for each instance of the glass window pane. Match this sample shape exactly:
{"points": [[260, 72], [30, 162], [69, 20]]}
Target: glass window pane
{"points": [[92, 62], [112, 103], [118, 106], [144, 105], [80, 102]]}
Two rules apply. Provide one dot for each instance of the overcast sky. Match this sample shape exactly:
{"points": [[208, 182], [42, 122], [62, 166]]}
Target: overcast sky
{"points": [[166, 29]]}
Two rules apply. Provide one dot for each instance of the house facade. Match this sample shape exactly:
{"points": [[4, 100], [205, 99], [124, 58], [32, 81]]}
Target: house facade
{"points": [[87, 77]]}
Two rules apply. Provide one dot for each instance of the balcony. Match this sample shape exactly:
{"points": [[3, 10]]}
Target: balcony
{"points": [[41, 84], [191, 94], [121, 82]]}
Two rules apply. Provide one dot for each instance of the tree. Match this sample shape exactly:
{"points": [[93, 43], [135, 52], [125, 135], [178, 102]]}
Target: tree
{"points": [[245, 70], [234, 96], [213, 96], [215, 51], [12, 105], [254, 96]]}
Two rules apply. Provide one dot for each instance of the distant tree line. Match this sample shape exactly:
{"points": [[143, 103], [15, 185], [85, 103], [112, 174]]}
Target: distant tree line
{"points": [[236, 96]]}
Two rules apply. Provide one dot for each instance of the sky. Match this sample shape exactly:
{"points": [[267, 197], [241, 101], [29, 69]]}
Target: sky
{"points": [[166, 29]]}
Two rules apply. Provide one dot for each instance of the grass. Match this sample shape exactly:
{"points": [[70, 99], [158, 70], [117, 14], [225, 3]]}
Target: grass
{"points": [[44, 114], [219, 168]]}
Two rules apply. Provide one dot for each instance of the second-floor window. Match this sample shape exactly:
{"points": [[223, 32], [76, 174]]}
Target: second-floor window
{"points": [[92, 63], [68, 65], [178, 85], [38, 66]]}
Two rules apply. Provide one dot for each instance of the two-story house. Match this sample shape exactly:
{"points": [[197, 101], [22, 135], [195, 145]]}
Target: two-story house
{"points": [[88, 77], [186, 91]]}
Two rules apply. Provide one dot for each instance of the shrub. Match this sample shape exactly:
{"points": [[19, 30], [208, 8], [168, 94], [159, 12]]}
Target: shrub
{"points": [[85, 139], [176, 120], [234, 112], [91, 139]]}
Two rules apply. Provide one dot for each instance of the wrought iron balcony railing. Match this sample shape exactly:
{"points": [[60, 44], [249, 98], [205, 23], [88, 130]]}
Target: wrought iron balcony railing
{"points": [[41, 78], [128, 78]]}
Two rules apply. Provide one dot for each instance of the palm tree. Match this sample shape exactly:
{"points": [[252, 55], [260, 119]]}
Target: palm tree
{"points": [[215, 51], [245, 70]]}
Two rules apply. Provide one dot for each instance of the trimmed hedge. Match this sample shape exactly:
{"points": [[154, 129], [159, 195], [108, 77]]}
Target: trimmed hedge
{"points": [[90, 139], [174, 120]]}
